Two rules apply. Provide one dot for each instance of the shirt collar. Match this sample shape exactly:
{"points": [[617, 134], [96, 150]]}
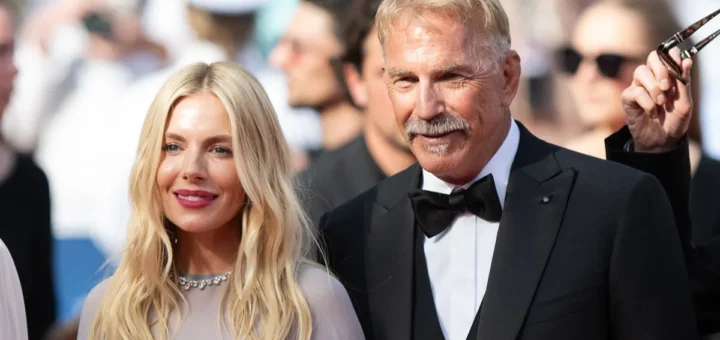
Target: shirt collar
{"points": [[499, 166]]}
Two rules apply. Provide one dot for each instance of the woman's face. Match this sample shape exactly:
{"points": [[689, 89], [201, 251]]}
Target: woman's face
{"points": [[197, 179], [617, 36]]}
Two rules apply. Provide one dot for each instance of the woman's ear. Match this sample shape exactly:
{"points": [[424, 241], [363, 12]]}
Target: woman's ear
{"points": [[356, 85]]}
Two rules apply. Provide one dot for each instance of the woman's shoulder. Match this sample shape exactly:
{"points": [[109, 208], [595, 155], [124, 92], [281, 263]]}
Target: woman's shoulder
{"points": [[91, 307], [331, 308], [97, 293], [316, 281]]}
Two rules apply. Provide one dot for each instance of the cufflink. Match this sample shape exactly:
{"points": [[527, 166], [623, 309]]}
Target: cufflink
{"points": [[629, 146]]}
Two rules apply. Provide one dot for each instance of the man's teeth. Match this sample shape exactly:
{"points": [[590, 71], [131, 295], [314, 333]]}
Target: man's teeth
{"points": [[193, 198]]}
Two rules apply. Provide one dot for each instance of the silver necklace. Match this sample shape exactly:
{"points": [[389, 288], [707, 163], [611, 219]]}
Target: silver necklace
{"points": [[188, 283]]}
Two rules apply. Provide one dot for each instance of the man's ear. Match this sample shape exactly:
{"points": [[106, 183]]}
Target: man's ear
{"points": [[511, 74], [355, 84]]}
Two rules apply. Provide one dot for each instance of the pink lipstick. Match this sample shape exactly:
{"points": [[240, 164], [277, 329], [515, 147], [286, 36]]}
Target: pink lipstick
{"points": [[194, 198]]}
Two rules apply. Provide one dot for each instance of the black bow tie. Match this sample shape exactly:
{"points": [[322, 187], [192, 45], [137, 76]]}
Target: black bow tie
{"points": [[434, 211]]}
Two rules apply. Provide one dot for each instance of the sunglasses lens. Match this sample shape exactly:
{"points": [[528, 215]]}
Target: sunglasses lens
{"points": [[569, 60], [609, 64]]}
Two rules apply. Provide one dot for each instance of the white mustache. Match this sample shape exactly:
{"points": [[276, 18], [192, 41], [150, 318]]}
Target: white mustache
{"points": [[439, 125]]}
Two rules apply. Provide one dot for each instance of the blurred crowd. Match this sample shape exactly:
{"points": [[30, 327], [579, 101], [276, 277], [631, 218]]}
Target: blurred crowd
{"points": [[77, 78]]}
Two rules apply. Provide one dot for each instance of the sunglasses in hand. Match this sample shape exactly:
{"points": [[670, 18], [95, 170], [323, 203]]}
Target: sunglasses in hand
{"points": [[609, 64], [663, 50]]}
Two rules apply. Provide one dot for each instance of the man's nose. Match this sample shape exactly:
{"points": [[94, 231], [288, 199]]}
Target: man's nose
{"points": [[430, 103]]}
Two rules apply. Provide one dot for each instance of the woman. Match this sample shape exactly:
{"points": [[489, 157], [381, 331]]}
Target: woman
{"points": [[610, 39], [13, 324], [218, 241]]}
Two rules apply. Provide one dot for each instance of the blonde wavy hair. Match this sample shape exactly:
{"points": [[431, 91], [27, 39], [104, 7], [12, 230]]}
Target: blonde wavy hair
{"points": [[263, 294]]}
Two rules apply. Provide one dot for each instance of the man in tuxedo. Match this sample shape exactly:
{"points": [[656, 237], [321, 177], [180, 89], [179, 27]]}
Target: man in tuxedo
{"points": [[496, 234], [380, 151]]}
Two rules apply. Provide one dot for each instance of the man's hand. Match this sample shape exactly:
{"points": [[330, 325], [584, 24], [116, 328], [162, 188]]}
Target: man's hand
{"points": [[657, 106]]}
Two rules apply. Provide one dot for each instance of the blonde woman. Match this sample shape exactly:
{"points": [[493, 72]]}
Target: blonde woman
{"points": [[218, 243]]}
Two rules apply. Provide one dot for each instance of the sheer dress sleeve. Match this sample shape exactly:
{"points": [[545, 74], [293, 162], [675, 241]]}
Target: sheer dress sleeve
{"points": [[333, 315]]}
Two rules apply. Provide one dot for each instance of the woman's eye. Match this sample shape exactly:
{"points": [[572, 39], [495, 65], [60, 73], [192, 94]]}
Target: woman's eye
{"points": [[171, 148], [221, 150]]}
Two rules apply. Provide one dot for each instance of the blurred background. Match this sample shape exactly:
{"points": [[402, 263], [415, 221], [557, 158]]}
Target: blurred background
{"points": [[78, 76]]}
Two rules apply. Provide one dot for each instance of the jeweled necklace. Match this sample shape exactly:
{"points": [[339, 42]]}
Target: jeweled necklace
{"points": [[201, 281]]}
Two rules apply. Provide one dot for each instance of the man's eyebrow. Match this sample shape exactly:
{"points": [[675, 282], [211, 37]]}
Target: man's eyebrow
{"points": [[395, 73], [455, 68]]}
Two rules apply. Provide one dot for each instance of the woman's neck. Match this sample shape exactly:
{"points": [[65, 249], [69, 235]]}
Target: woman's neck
{"points": [[211, 252]]}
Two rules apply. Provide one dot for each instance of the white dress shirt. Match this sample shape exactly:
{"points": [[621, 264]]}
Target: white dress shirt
{"points": [[459, 258]]}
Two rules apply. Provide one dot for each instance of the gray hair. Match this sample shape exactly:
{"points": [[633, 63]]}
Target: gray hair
{"points": [[487, 15]]}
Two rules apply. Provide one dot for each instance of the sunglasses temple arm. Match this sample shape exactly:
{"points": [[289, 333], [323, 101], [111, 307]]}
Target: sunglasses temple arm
{"points": [[686, 33], [699, 46]]}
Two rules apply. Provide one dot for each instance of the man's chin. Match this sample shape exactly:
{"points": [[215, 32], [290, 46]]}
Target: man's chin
{"points": [[436, 158]]}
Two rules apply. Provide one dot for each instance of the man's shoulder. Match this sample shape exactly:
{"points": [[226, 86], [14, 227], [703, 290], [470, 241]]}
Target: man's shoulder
{"points": [[327, 164], [383, 194], [351, 212], [601, 174]]}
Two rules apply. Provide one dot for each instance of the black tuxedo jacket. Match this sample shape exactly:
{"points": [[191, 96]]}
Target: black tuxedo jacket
{"points": [[701, 247], [600, 260]]}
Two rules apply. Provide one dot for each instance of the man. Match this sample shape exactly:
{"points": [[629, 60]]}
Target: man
{"points": [[509, 237], [304, 54], [24, 204], [671, 165], [380, 151]]}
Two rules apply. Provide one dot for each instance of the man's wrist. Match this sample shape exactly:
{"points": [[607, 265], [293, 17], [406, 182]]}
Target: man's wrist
{"points": [[631, 146]]}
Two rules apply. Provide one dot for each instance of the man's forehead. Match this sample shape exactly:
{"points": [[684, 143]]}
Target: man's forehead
{"points": [[310, 20]]}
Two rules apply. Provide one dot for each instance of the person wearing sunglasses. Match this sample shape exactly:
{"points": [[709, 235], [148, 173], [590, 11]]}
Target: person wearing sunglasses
{"points": [[610, 39], [602, 61]]}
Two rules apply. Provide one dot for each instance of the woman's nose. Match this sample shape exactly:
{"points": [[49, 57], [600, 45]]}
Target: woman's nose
{"points": [[194, 166]]}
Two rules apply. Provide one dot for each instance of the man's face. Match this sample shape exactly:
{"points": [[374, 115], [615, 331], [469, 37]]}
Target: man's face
{"points": [[7, 65], [447, 94], [304, 53], [369, 91]]}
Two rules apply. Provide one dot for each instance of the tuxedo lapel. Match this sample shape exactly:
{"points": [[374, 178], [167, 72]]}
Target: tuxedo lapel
{"points": [[390, 257], [537, 195]]}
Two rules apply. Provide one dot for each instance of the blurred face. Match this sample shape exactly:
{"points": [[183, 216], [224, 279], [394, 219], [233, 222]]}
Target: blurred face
{"points": [[369, 91], [197, 179], [304, 53], [447, 95], [617, 36], [7, 65]]}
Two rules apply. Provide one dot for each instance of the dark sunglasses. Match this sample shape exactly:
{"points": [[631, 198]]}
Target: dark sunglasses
{"points": [[609, 64], [663, 50]]}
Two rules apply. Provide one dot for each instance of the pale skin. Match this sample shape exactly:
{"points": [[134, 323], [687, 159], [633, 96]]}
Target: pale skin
{"points": [[198, 156], [431, 70]]}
